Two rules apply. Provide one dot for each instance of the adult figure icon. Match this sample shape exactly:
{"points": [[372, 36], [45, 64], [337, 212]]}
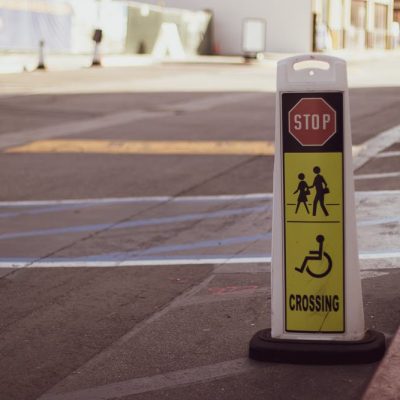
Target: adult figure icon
{"points": [[321, 188]]}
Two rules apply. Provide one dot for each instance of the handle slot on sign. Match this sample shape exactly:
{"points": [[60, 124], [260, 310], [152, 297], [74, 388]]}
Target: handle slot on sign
{"points": [[313, 64], [310, 68]]}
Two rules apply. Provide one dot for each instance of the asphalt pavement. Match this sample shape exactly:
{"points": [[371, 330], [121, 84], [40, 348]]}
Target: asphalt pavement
{"points": [[135, 231]]}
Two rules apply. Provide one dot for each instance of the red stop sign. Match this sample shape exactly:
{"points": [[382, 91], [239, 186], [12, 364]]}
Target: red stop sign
{"points": [[312, 121]]}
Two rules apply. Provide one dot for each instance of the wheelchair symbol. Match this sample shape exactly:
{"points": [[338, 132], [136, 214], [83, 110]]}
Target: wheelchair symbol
{"points": [[317, 255]]}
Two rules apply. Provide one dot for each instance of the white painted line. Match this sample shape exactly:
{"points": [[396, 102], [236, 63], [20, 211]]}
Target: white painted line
{"points": [[189, 260], [388, 154], [164, 381], [374, 146], [148, 199], [380, 255], [382, 175], [375, 193], [122, 200], [156, 262], [160, 199], [379, 221]]}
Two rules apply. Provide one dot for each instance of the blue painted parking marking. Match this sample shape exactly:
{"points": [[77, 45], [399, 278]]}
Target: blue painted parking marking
{"points": [[135, 224], [245, 215]]}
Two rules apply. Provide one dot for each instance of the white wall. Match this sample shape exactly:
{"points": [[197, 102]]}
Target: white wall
{"points": [[289, 22], [91, 14]]}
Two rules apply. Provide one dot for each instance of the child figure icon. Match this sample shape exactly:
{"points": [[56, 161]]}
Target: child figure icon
{"points": [[304, 191]]}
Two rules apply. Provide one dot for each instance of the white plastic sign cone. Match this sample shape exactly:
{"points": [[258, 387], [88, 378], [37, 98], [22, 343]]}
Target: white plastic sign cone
{"points": [[317, 311]]}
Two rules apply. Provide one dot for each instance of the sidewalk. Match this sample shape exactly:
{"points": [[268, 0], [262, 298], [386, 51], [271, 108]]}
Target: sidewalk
{"points": [[385, 384], [26, 62]]}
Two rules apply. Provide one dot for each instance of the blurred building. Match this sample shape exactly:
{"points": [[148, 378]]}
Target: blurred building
{"points": [[67, 26], [288, 22], [186, 27], [353, 24], [301, 25], [164, 31], [24, 23], [396, 13]]}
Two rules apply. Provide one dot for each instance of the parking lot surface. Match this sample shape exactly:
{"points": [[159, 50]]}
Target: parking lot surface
{"points": [[135, 231]]}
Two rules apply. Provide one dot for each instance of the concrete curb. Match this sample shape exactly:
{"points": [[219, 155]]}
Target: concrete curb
{"points": [[385, 384]]}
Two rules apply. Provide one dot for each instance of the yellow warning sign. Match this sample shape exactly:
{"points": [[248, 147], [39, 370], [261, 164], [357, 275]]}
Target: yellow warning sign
{"points": [[314, 241]]}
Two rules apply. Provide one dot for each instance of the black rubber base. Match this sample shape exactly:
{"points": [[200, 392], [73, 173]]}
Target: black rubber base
{"points": [[370, 349], [41, 67], [96, 63]]}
